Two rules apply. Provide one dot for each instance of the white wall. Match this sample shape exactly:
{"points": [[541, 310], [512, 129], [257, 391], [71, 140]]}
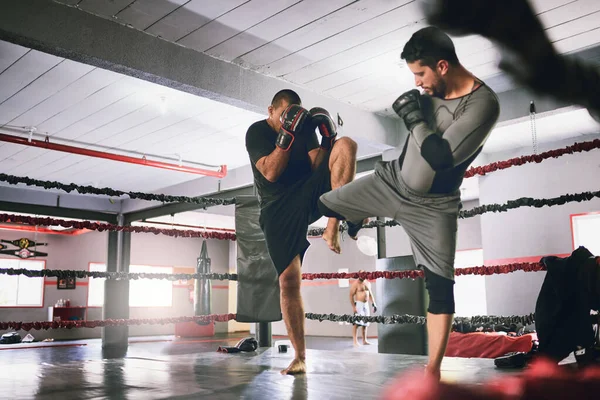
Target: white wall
{"points": [[469, 229], [529, 231], [76, 252], [325, 296]]}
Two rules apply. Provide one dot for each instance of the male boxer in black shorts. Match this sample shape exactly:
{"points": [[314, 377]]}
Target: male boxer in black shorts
{"points": [[291, 170], [448, 127]]}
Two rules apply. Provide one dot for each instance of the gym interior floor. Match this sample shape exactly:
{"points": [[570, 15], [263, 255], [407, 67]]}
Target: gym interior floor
{"points": [[169, 367]]}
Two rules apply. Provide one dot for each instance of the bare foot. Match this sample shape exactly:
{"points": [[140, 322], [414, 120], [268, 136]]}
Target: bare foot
{"points": [[296, 367], [355, 344], [366, 342], [332, 237]]}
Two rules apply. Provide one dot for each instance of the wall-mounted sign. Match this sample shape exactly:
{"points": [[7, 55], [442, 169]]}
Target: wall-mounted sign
{"points": [[66, 283]]}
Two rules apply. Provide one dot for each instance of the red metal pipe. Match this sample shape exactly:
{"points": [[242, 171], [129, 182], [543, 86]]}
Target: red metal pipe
{"points": [[40, 229], [221, 173], [206, 228]]}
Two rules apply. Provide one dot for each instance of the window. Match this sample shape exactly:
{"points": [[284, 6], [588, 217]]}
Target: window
{"points": [[150, 292], [96, 286], [585, 229], [19, 290], [142, 292], [469, 290]]}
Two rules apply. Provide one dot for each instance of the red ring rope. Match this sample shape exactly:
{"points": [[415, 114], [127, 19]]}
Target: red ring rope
{"points": [[413, 274], [27, 326]]}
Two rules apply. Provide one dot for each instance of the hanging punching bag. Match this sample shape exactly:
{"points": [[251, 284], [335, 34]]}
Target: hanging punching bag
{"points": [[202, 287]]}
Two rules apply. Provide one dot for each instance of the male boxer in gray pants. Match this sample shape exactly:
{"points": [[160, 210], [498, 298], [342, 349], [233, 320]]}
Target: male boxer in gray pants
{"points": [[448, 127]]}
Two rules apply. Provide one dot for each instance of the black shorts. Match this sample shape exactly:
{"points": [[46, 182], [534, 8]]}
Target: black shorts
{"points": [[285, 221]]}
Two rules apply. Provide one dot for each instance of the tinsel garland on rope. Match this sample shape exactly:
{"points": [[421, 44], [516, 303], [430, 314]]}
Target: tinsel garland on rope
{"points": [[61, 274], [420, 320], [101, 227], [13, 180], [496, 320], [27, 326], [393, 319], [537, 158], [207, 201], [416, 273], [509, 205], [529, 202], [411, 274]]}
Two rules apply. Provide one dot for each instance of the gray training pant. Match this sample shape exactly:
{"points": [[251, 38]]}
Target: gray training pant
{"points": [[430, 220]]}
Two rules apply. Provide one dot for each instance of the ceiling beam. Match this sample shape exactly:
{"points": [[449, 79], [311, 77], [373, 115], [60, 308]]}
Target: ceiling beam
{"points": [[71, 33], [59, 212], [175, 208], [59, 204], [364, 165]]}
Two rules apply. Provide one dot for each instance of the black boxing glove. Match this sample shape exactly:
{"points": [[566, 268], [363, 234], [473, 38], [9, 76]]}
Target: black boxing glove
{"points": [[511, 23], [464, 17], [374, 308], [408, 108], [292, 120], [322, 120], [248, 344]]}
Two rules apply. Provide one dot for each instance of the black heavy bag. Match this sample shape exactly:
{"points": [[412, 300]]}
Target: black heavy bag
{"points": [[258, 283], [202, 287]]}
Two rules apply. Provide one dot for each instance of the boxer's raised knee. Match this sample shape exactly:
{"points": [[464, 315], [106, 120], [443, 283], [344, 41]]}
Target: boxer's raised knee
{"points": [[328, 212], [345, 146]]}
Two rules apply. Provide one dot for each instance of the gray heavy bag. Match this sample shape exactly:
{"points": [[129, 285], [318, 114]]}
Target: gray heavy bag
{"points": [[202, 287], [258, 283]]}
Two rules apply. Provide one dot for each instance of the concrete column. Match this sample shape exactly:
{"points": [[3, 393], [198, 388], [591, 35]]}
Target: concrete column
{"points": [[116, 292]]}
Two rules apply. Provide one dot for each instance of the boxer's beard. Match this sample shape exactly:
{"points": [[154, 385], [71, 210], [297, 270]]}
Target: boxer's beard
{"points": [[439, 88]]}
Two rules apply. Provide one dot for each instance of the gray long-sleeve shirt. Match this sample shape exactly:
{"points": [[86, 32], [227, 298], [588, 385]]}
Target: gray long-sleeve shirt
{"points": [[438, 152]]}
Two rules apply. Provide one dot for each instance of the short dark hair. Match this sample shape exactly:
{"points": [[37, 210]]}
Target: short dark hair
{"points": [[429, 46], [288, 95]]}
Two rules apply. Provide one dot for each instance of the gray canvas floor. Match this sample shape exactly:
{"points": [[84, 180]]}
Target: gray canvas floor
{"points": [[193, 369]]}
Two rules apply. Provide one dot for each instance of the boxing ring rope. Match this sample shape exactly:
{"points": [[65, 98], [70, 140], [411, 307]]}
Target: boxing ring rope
{"points": [[536, 158], [45, 325], [486, 208], [420, 320], [417, 273], [411, 274], [101, 227], [204, 201], [204, 319], [393, 319], [207, 201], [463, 214], [57, 273]]}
